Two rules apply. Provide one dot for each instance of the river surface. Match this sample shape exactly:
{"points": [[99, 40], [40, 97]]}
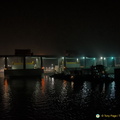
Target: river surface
{"points": [[52, 99]]}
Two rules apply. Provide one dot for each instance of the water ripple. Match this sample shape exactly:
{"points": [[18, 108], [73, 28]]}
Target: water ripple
{"points": [[50, 99]]}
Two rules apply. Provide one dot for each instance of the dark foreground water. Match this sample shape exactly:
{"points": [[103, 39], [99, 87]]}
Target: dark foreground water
{"points": [[52, 99]]}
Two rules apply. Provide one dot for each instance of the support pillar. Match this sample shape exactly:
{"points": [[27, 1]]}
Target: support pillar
{"points": [[65, 62], [24, 63], [94, 63], [113, 62], [41, 62], [85, 62], [59, 66], [103, 62], [6, 65], [39, 59]]}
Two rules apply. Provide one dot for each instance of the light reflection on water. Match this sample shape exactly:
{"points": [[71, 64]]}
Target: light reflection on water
{"points": [[51, 84], [43, 86], [103, 90], [86, 91], [63, 93], [6, 95], [72, 85], [112, 90], [55, 99]]}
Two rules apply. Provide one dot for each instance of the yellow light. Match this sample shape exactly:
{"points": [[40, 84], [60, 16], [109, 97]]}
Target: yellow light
{"points": [[72, 77], [42, 68], [5, 68]]}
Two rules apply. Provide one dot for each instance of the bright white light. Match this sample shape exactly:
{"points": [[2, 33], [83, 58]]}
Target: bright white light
{"points": [[93, 58], [62, 57], [77, 59], [101, 58], [112, 58], [97, 116], [83, 57], [36, 59], [104, 58]]}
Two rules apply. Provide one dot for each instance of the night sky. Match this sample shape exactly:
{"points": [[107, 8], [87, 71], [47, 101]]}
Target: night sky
{"points": [[51, 28]]}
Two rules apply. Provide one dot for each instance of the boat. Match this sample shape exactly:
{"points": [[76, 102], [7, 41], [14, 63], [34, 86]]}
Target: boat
{"points": [[96, 74]]}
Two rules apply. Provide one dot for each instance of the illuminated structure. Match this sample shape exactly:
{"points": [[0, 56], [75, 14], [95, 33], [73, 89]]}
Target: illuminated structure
{"points": [[25, 63]]}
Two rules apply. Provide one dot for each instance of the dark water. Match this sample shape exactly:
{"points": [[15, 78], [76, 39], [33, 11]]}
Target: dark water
{"points": [[52, 99]]}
